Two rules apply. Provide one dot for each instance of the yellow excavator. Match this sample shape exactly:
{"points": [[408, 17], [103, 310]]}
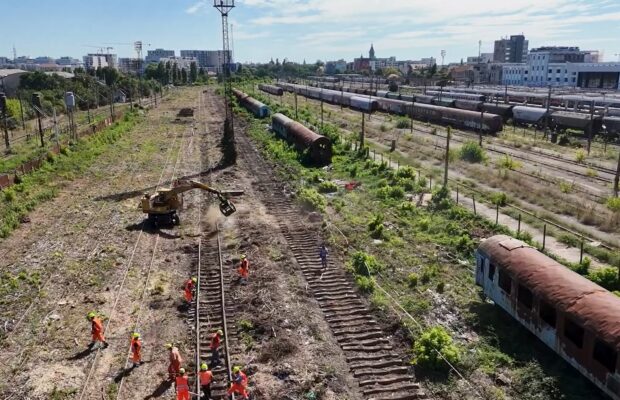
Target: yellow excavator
{"points": [[162, 206]]}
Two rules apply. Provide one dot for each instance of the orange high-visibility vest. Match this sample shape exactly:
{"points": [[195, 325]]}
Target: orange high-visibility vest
{"points": [[182, 383], [205, 377]]}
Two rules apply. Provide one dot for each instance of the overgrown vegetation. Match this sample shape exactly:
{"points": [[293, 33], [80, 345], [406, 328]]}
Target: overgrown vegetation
{"points": [[434, 347], [472, 152]]}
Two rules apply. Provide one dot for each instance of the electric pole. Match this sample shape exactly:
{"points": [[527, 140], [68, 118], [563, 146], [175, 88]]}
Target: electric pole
{"points": [[3, 108]]}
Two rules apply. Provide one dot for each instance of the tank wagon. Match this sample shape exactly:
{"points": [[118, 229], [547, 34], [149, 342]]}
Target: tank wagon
{"points": [[456, 118], [562, 120], [529, 115], [271, 89], [576, 318], [319, 147], [257, 108]]}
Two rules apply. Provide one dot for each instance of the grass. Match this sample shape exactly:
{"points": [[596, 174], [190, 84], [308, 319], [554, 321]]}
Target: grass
{"points": [[45, 183], [425, 264]]}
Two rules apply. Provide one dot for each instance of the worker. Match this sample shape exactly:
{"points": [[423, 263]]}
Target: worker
{"points": [[239, 383], [323, 254], [206, 377], [136, 349], [96, 330], [175, 361], [188, 289], [216, 339], [182, 385], [244, 269]]}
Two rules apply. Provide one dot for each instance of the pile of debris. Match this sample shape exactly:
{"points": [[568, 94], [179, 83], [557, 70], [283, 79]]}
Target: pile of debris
{"points": [[186, 112]]}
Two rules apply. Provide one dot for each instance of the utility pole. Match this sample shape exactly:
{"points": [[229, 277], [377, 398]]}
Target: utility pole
{"points": [[138, 47], [70, 104], [617, 177], [481, 127], [362, 134], [296, 115], [36, 102], [547, 115], [21, 110], [590, 126], [3, 108], [445, 172]]}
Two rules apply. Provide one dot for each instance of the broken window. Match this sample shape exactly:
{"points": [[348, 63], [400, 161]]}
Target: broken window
{"points": [[605, 355], [547, 313], [491, 271], [573, 332], [525, 297], [505, 282]]}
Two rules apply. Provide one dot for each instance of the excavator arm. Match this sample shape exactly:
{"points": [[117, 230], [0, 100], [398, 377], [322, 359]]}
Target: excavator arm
{"points": [[226, 206]]}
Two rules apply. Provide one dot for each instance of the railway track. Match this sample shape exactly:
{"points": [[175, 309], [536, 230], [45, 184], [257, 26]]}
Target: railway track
{"points": [[211, 311], [379, 371]]}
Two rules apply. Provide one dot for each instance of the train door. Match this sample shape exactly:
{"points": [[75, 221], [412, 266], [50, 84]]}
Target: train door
{"points": [[480, 261]]}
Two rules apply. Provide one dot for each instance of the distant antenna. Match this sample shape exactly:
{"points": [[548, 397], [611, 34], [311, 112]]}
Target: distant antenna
{"points": [[232, 43], [443, 56], [14, 54], [479, 47]]}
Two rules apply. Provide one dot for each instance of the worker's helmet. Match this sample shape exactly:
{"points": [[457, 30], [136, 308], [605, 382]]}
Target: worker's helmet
{"points": [[219, 332], [135, 335], [91, 315], [236, 369], [194, 279], [182, 371], [204, 367], [168, 346], [243, 256]]}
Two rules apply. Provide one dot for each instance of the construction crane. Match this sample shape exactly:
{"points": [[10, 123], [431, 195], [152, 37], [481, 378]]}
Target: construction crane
{"points": [[101, 49]]}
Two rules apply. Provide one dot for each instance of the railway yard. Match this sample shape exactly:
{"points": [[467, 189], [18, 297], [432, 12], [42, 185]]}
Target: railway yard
{"points": [[407, 300]]}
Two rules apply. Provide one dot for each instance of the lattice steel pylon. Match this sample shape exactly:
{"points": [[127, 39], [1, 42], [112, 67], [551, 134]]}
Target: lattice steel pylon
{"points": [[224, 7]]}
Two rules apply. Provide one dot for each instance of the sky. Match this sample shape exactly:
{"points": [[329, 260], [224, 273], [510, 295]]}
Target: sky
{"points": [[307, 29]]}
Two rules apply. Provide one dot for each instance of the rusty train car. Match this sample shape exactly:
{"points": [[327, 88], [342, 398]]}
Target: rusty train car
{"points": [[257, 108], [318, 146], [271, 89], [576, 318]]}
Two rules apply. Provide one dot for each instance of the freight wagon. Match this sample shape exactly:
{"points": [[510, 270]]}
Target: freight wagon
{"points": [[271, 89], [319, 147], [257, 108]]}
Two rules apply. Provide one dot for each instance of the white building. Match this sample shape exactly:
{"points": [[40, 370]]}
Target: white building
{"points": [[100, 60], [154, 56], [514, 74], [181, 62]]}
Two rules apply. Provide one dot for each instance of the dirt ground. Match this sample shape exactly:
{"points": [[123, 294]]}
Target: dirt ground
{"points": [[87, 250]]}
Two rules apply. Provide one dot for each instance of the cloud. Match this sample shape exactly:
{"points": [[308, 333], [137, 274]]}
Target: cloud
{"points": [[193, 9]]}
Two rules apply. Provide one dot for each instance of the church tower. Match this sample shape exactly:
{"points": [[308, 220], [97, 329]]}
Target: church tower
{"points": [[371, 53]]}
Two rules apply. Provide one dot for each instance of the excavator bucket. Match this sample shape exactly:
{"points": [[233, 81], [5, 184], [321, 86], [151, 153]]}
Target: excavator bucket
{"points": [[227, 207]]}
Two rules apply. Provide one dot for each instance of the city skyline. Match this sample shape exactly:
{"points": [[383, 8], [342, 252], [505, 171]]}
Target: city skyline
{"points": [[311, 29]]}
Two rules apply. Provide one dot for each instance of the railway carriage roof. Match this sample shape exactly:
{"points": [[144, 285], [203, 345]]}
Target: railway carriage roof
{"points": [[597, 309]]}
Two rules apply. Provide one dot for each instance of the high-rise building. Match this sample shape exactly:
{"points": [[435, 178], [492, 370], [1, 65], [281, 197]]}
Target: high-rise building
{"points": [[511, 50], [548, 65], [100, 60], [208, 59], [154, 56]]}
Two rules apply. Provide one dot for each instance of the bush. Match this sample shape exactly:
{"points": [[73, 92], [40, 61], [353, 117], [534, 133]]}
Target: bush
{"points": [[499, 198], [353, 171], [412, 280], [365, 284], [406, 172], [313, 199], [391, 192], [328, 187], [580, 156], [403, 123], [566, 187], [605, 277], [383, 128], [507, 162], [433, 346], [472, 152], [362, 264], [613, 203]]}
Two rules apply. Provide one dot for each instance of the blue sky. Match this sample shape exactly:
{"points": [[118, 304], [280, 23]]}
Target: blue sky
{"points": [[308, 29]]}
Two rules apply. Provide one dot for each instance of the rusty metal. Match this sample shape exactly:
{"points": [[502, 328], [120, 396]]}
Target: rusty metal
{"points": [[271, 89], [302, 138]]}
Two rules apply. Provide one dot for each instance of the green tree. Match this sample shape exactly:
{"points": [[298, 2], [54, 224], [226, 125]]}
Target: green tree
{"points": [[175, 73], [434, 347], [183, 76], [193, 72]]}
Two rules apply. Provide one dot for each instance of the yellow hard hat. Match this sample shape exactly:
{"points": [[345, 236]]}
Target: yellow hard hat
{"points": [[194, 279], [236, 369], [219, 332], [204, 367], [135, 335], [242, 256], [91, 315], [168, 345], [182, 371]]}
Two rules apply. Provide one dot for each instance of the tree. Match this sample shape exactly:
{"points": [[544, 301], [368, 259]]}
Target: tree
{"points": [[175, 73], [162, 75], [183, 76], [193, 72], [110, 75], [432, 71], [387, 71]]}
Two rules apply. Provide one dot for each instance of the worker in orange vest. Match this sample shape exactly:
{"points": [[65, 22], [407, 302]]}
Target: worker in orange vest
{"points": [[206, 377], [96, 330], [175, 361], [188, 289], [216, 339], [136, 349], [239, 384], [244, 269], [182, 385]]}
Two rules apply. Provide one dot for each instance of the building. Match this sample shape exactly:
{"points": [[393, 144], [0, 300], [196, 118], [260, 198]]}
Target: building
{"points": [[483, 58], [480, 73], [130, 65], [511, 50], [335, 67], [68, 62], [371, 53], [211, 60], [603, 75], [100, 60], [153, 56], [9, 80], [546, 65], [514, 74]]}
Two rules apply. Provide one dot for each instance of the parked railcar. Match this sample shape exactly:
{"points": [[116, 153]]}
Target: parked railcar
{"points": [[422, 98], [257, 108], [444, 102], [576, 318], [392, 106], [503, 110], [489, 123], [471, 105], [318, 146], [528, 115], [367, 104], [562, 120], [612, 125], [271, 89], [456, 95]]}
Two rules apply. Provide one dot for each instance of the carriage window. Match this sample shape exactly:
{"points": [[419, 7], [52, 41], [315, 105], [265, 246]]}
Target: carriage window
{"points": [[525, 297], [547, 313], [505, 282], [605, 355], [491, 271], [573, 332]]}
